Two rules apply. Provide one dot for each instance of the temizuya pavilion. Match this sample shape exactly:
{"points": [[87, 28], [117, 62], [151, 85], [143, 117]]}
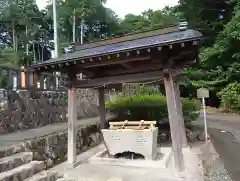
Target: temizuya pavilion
{"points": [[147, 56]]}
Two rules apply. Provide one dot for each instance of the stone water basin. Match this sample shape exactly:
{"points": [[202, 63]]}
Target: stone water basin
{"points": [[142, 142]]}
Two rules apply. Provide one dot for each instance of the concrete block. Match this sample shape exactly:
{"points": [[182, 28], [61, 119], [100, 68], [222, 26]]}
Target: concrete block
{"points": [[143, 142]]}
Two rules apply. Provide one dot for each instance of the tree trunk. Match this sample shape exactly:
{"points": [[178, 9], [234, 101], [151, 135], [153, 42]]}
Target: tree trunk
{"points": [[82, 21], [14, 36], [27, 52], [16, 42], [39, 53], [74, 26], [34, 53]]}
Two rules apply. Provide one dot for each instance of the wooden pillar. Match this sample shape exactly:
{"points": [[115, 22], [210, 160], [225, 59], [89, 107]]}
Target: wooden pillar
{"points": [[71, 125], [173, 120], [180, 116], [102, 111]]}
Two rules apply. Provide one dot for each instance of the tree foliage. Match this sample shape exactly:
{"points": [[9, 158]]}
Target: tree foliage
{"points": [[23, 24], [219, 63], [147, 20], [230, 97], [209, 17], [218, 21]]}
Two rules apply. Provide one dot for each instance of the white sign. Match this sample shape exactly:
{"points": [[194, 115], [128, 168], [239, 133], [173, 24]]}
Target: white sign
{"points": [[203, 93]]}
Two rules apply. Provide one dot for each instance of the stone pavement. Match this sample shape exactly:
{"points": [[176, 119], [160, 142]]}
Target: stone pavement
{"points": [[8, 140], [87, 171]]}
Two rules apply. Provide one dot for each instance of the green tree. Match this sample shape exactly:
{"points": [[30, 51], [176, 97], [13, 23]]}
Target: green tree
{"points": [[102, 24], [22, 22], [209, 17], [71, 13], [147, 20], [220, 63]]}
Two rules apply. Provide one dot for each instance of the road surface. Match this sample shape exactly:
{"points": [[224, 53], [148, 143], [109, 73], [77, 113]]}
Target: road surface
{"points": [[224, 130]]}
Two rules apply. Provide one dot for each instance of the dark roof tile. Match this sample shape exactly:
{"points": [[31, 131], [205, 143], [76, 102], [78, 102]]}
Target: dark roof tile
{"points": [[156, 40]]}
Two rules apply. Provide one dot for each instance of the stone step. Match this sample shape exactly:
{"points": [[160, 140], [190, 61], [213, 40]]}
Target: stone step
{"points": [[11, 162], [61, 179], [23, 172], [8, 151], [44, 176], [64, 179]]}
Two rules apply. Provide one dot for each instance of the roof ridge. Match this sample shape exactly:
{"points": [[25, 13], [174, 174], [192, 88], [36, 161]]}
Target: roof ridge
{"points": [[126, 37]]}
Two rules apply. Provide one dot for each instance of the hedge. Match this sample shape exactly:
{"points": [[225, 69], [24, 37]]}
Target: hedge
{"points": [[148, 107]]}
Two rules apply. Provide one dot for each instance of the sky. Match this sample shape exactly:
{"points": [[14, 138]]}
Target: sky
{"points": [[123, 7]]}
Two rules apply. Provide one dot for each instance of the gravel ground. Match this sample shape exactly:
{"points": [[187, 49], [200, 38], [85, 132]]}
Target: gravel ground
{"points": [[213, 168]]}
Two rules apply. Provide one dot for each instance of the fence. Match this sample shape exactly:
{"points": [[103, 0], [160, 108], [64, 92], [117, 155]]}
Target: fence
{"points": [[21, 78]]}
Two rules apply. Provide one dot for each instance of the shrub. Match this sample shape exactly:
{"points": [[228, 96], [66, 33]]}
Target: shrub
{"points": [[149, 90], [148, 107], [230, 97]]}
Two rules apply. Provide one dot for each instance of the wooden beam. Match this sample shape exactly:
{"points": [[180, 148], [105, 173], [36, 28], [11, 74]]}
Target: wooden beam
{"points": [[141, 77], [102, 111], [183, 62], [86, 72], [180, 116], [135, 69], [174, 126], [72, 125], [72, 116], [126, 65], [79, 69], [110, 62], [126, 122]]}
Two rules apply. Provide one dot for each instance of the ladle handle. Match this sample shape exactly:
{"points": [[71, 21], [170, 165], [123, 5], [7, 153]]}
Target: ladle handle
{"points": [[141, 122]]}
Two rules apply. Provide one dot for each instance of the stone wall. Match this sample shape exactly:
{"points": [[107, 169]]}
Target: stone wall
{"points": [[31, 109], [52, 149]]}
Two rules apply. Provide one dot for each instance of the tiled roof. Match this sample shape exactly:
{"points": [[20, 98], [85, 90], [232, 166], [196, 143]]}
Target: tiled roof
{"points": [[156, 40], [132, 36]]}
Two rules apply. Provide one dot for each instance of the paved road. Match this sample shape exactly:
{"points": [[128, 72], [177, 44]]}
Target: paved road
{"points": [[224, 130], [225, 122]]}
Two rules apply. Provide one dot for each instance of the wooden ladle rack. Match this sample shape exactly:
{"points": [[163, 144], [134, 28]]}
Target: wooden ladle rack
{"points": [[132, 125]]}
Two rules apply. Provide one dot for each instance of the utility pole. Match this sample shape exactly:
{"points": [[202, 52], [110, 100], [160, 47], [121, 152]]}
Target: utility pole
{"points": [[74, 25], [55, 27], [81, 40]]}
